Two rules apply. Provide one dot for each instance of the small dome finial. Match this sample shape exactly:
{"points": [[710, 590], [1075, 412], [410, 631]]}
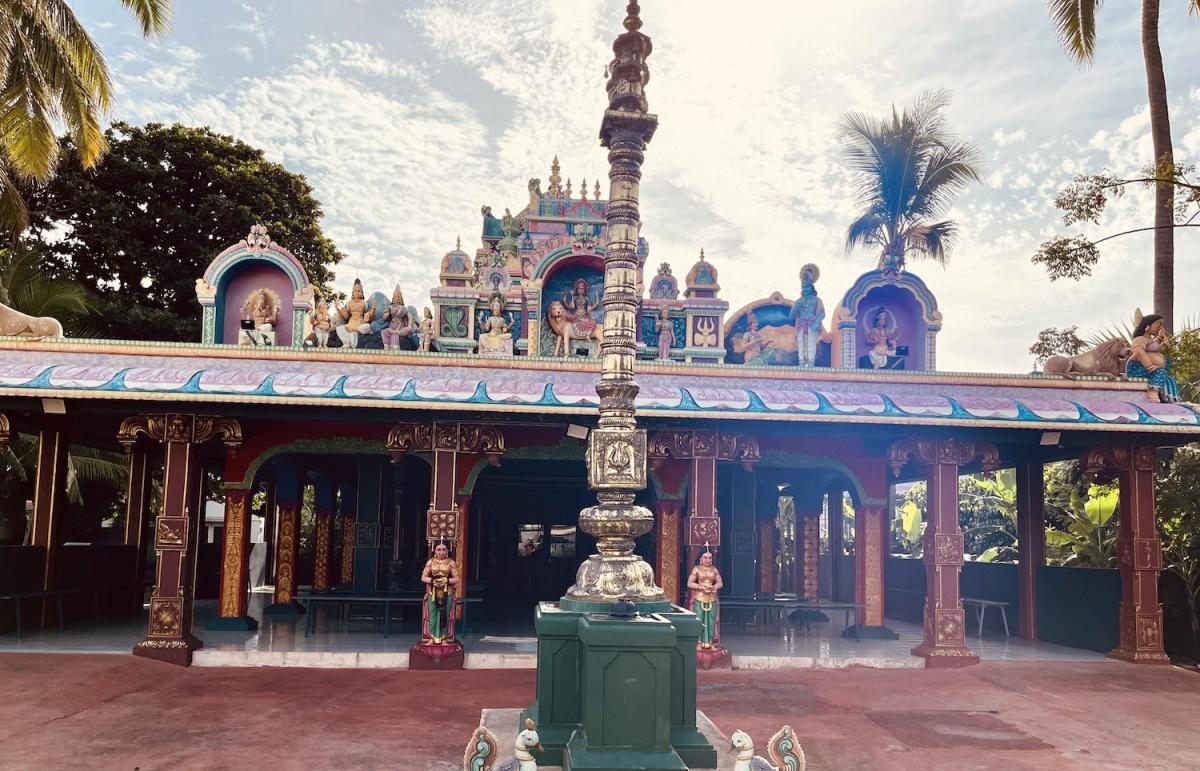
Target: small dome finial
{"points": [[633, 22]]}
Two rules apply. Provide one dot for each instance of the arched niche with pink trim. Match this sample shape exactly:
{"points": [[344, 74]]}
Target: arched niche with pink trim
{"points": [[249, 265], [913, 312]]}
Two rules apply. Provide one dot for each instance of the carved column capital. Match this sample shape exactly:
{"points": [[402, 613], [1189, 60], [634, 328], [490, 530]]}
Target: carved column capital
{"points": [[179, 428], [951, 451]]}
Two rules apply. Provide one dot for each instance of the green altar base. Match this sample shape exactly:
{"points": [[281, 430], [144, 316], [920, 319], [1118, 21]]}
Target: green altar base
{"points": [[618, 693]]}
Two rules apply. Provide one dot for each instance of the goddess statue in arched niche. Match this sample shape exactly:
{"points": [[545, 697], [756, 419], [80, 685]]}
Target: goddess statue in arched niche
{"points": [[578, 289]]}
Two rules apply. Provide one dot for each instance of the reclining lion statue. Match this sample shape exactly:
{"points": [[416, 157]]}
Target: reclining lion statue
{"points": [[1106, 359], [16, 324]]}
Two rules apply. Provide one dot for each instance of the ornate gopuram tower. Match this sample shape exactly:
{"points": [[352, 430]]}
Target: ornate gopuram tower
{"points": [[616, 684]]}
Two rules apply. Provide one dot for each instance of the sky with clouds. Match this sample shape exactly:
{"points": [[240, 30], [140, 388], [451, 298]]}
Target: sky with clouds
{"points": [[407, 117]]}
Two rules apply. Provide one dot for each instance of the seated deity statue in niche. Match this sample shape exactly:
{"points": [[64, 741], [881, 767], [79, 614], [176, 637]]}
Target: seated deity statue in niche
{"points": [[704, 584], [881, 338], [751, 343], [263, 312], [666, 333], [579, 309], [437, 612], [398, 334], [356, 317], [1148, 361], [808, 315], [322, 324], [495, 335], [426, 344]]}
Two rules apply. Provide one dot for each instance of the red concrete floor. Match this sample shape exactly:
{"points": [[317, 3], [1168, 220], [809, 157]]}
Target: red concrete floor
{"points": [[120, 712]]}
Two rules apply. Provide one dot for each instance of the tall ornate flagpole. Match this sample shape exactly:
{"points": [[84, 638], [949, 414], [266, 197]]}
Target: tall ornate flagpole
{"points": [[617, 448]]}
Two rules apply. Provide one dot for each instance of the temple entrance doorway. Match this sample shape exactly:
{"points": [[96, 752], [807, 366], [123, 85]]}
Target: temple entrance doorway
{"points": [[529, 546]]}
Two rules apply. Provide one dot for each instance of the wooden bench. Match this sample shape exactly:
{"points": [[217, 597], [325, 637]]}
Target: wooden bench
{"points": [[345, 601], [16, 599], [981, 607]]}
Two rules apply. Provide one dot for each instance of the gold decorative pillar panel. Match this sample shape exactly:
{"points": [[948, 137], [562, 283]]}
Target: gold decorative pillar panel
{"points": [[5, 432], [616, 454], [235, 554], [944, 643], [348, 511], [322, 549], [1139, 551], [169, 637]]}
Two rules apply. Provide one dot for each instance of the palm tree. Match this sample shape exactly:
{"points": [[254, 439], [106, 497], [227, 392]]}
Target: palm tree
{"points": [[53, 73], [1075, 21], [909, 169], [25, 287]]}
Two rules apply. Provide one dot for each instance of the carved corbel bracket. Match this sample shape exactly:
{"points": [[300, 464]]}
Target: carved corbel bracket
{"points": [[739, 447], [409, 437], [1102, 460], [668, 444], [928, 452], [179, 428], [487, 440]]}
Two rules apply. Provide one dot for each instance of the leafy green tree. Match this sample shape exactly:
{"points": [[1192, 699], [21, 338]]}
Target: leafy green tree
{"points": [[1075, 21], [145, 223], [1178, 504], [1081, 526], [1056, 342], [54, 76], [909, 169]]}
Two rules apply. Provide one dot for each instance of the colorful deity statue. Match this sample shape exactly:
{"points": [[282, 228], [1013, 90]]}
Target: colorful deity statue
{"points": [[261, 309], [495, 335], [356, 317], [704, 583], [426, 344], [1148, 361], [398, 334], [752, 345], [322, 324], [579, 308], [666, 333], [808, 313], [881, 337], [439, 576]]}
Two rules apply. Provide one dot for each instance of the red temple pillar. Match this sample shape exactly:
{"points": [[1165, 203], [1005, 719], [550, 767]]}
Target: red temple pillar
{"points": [[1031, 543], [1139, 552], [669, 514], [462, 534], [704, 526], [169, 636], [49, 490], [766, 556], [808, 544], [137, 498], [944, 641]]}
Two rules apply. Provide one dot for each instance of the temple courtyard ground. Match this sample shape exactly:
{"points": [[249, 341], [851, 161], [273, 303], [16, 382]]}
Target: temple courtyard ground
{"points": [[120, 712]]}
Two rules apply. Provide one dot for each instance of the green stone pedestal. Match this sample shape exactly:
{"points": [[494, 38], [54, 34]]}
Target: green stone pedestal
{"points": [[617, 693]]}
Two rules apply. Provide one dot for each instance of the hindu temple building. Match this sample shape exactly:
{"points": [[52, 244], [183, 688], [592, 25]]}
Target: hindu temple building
{"points": [[400, 429]]}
